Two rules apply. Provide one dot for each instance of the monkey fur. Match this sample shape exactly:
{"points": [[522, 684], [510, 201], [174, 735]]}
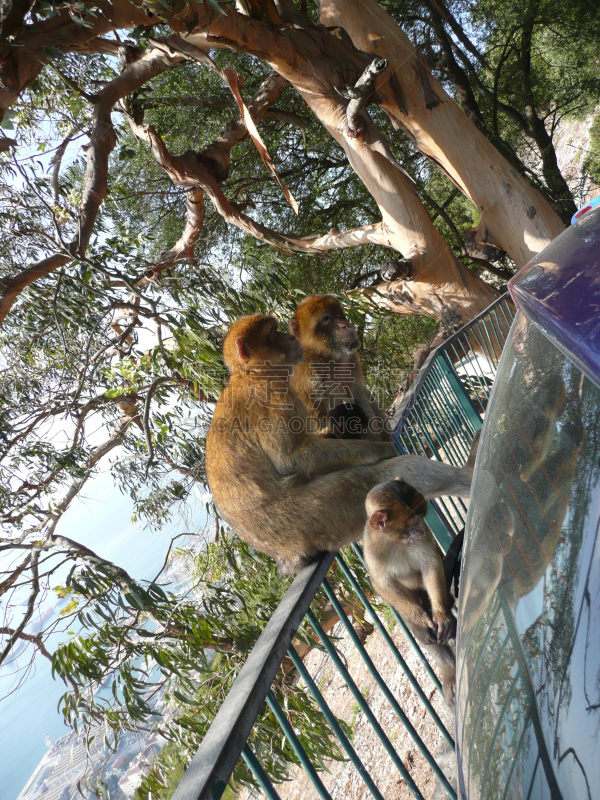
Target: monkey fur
{"points": [[331, 373], [406, 569], [283, 488]]}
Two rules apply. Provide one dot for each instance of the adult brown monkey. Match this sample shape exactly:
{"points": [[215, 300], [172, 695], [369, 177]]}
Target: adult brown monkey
{"points": [[329, 380], [406, 569], [284, 489]]}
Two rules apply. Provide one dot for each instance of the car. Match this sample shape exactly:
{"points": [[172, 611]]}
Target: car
{"points": [[528, 643]]}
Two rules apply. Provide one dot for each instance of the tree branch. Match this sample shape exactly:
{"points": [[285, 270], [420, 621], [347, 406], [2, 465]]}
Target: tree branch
{"points": [[23, 60], [77, 550], [102, 142], [28, 637], [146, 418], [440, 9], [187, 171], [35, 589], [95, 456], [367, 234], [360, 93], [13, 577]]}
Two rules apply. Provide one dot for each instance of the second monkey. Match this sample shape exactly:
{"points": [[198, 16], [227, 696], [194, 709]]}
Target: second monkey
{"points": [[329, 381]]}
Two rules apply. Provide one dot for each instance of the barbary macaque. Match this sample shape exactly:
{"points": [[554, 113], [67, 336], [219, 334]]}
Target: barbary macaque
{"points": [[283, 488], [406, 569], [330, 374]]}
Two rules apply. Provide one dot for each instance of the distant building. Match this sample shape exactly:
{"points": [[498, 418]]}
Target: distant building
{"points": [[67, 762]]}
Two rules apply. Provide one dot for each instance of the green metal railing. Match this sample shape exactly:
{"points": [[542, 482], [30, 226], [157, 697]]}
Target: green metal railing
{"points": [[438, 418], [444, 407]]}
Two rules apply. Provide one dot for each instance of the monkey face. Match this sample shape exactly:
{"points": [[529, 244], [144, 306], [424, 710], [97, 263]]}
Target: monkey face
{"points": [[339, 332], [411, 529], [256, 340], [398, 509], [320, 321], [285, 344], [333, 327]]}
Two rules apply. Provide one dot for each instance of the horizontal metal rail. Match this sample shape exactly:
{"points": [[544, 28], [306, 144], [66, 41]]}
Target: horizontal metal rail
{"points": [[208, 773]]}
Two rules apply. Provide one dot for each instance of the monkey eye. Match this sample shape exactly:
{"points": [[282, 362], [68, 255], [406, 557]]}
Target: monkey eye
{"points": [[326, 318]]}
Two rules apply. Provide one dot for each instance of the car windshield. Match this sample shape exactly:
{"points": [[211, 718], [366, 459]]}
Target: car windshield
{"points": [[528, 655]]}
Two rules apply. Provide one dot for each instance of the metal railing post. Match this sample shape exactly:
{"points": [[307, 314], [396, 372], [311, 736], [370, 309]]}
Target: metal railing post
{"points": [[363, 705], [335, 725], [261, 776], [293, 739], [376, 675]]}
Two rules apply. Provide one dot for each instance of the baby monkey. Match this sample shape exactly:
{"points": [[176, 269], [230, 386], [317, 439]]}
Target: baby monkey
{"points": [[406, 569]]}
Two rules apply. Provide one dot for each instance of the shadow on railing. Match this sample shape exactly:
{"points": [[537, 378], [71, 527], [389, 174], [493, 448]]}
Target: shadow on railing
{"points": [[438, 418]]}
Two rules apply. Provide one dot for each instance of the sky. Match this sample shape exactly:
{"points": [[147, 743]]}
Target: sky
{"points": [[101, 520]]}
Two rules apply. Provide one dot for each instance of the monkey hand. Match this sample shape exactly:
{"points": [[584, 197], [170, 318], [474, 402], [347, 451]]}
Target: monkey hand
{"points": [[445, 623], [326, 433], [426, 626]]}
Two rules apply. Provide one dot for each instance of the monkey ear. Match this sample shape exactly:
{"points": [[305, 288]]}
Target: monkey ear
{"points": [[377, 520], [294, 328], [243, 349]]}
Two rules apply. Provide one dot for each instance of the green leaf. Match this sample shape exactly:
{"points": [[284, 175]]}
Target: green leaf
{"points": [[80, 21], [69, 608], [51, 52], [136, 601], [7, 120]]}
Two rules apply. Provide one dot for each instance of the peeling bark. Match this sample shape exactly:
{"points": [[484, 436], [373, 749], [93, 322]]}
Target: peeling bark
{"points": [[327, 68], [406, 225], [439, 279], [419, 298], [520, 219], [22, 59], [187, 171], [183, 249], [233, 133]]}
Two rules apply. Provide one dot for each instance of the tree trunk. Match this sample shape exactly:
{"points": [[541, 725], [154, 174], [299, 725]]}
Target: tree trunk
{"points": [[440, 286], [520, 219]]}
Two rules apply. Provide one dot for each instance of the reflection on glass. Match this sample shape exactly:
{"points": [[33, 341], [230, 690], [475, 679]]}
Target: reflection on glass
{"points": [[529, 622]]}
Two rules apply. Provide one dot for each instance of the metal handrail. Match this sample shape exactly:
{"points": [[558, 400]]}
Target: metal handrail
{"points": [[441, 413], [208, 772], [448, 346]]}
